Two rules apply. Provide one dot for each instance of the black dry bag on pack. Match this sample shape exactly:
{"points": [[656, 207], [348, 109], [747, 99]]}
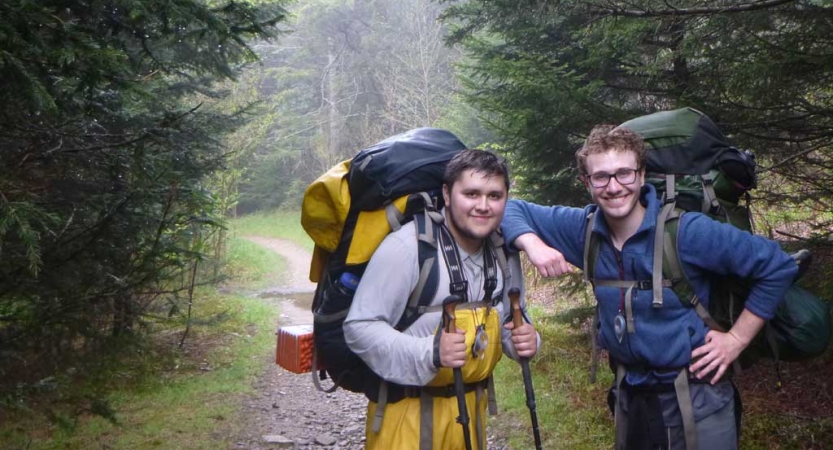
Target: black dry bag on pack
{"points": [[381, 188]]}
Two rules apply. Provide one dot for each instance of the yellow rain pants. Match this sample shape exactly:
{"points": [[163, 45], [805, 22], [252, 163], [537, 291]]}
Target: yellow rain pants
{"points": [[401, 424]]}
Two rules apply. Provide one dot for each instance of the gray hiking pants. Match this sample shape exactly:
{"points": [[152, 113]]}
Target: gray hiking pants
{"points": [[716, 431]]}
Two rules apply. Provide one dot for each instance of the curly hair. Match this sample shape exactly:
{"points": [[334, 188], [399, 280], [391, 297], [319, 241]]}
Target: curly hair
{"points": [[605, 138]]}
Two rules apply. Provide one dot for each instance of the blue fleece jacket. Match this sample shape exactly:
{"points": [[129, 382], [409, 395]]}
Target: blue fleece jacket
{"points": [[664, 337]]}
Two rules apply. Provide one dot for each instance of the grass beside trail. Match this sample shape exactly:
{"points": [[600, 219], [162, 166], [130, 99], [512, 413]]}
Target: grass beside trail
{"points": [[160, 396], [277, 224], [573, 413]]}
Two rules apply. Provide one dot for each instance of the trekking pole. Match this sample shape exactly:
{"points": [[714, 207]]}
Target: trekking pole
{"points": [[450, 326], [517, 320]]}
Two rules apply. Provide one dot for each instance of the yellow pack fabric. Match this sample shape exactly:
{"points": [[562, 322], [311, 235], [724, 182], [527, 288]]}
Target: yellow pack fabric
{"points": [[325, 207], [324, 212], [401, 421]]}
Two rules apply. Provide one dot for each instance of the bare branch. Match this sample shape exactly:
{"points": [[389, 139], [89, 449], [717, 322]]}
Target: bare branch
{"points": [[741, 8]]}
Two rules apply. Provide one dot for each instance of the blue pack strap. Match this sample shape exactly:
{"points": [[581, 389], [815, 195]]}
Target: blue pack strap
{"points": [[643, 285], [591, 248]]}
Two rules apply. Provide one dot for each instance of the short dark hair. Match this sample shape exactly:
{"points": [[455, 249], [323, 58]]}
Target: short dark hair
{"points": [[478, 160], [605, 138]]}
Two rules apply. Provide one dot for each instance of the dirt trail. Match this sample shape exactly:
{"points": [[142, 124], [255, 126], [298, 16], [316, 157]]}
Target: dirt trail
{"points": [[287, 411]]}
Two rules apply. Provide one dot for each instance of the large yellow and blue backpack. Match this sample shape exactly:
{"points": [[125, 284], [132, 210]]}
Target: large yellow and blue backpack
{"points": [[347, 212], [694, 167]]}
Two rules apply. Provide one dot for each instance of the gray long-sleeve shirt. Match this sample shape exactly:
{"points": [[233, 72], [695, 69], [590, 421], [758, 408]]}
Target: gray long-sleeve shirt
{"points": [[380, 300]]}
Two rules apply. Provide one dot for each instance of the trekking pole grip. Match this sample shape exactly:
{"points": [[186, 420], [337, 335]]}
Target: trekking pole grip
{"points": [[449, 318], [515, 303]]}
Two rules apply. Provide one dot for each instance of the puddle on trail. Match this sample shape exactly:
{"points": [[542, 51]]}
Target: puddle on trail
{"points": [[296, 307], [302, 299]]}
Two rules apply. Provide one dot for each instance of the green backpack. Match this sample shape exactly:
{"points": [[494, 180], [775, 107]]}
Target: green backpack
{"points": [[694, 168]]}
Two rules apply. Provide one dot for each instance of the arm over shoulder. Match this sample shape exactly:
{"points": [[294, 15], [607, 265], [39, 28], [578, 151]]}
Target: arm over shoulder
{"points": [[559, 227]]}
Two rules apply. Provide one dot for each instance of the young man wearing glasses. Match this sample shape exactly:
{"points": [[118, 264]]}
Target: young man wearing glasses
{"points": [[655, 348]]}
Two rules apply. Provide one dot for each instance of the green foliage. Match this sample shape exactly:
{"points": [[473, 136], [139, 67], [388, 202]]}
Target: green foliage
{"points": [[546, 72], [110, 137], [251, 264], [151, 395], [284, 224], [572, 413]]}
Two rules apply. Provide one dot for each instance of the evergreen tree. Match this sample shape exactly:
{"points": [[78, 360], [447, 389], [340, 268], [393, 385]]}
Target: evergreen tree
{"points": [[108, 135], [547, 71]]}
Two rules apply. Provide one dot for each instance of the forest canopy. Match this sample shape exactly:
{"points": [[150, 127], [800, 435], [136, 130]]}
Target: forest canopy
{"points": [[545, 72], [108, 143]]}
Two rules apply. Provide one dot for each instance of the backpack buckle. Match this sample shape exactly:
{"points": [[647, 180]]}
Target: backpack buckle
{"points": [[459, 288], [490, 284], [644, 285]]}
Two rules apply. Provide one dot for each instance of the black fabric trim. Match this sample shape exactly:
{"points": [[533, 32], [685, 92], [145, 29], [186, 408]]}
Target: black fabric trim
{"points": [[436, 353]]}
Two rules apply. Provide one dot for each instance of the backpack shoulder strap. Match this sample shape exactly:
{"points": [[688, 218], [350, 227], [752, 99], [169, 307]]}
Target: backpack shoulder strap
{"points": [[426, 234], [591, 249], [672, 269], [591, 252], [498, 245]]}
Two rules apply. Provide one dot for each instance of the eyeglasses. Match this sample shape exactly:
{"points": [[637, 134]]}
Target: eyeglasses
{"points": [[623, 177]]}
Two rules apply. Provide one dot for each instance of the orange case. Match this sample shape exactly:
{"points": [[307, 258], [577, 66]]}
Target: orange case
{"points": [[294, 351]]}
